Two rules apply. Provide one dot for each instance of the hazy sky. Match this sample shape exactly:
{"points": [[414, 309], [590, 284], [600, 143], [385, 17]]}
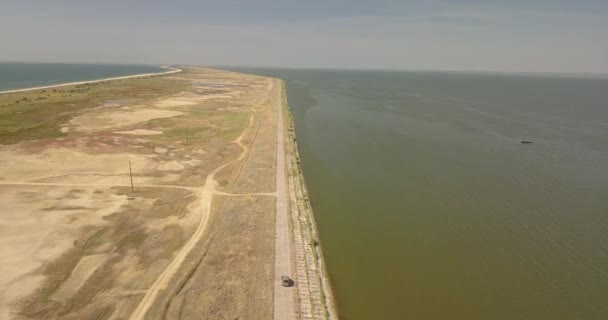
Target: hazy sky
{"points": [[508, 35]]}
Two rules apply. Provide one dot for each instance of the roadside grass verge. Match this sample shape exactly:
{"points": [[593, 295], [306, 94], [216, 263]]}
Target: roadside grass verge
{"points": [[302, 195]]}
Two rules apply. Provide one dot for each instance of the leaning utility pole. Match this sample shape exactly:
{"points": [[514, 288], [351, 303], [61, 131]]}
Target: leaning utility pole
{"points": [[131, 174]]}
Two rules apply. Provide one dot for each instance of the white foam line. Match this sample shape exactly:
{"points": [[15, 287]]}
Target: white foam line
{"points": [[173, 70]]}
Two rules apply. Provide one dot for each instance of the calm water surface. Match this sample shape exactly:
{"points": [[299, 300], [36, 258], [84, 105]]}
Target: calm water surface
{"points": [[28, 75], [429, 207]]}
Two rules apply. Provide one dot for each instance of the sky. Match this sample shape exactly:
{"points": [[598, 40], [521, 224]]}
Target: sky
{"points": [[472, 35]]}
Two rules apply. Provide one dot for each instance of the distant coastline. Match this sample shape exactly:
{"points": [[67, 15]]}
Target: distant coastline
{"points": [[169, 71]]}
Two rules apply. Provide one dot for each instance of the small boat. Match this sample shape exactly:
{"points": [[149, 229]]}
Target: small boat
{"points": [[526, 142]]}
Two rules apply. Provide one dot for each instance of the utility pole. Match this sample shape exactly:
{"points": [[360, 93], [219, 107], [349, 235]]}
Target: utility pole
{"points": [[131, 174]]}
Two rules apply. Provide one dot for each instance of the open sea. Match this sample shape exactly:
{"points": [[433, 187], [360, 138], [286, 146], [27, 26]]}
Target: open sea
{"points": [[430, 207], [17, 75]]}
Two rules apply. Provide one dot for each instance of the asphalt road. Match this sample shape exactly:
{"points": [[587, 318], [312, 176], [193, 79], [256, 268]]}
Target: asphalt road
{"points": [[283, 296]]}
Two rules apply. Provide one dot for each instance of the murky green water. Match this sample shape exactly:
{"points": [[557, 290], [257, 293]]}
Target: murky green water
{"points": [[429, 207]]}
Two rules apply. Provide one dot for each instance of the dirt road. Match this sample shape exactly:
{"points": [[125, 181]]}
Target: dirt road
{"points": [[283, 297], [93, 185], [205, 197], [78, 243]]}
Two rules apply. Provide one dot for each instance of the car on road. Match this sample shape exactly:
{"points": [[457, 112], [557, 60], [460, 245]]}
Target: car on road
{"points": [[286, 281]]}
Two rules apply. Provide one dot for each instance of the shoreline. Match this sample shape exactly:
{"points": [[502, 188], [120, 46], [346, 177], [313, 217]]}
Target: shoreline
{"points": [[308, 251], [170, 71]]}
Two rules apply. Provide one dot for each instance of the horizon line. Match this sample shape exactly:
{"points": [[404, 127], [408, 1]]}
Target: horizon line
{"points": [[509, 72]]}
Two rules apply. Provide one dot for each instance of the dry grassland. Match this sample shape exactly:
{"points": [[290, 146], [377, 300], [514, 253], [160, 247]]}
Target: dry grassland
{"points": [[77, 243]]}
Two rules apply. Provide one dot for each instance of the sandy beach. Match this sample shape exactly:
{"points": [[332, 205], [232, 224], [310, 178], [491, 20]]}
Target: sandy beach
{"points": [[170, 71]]}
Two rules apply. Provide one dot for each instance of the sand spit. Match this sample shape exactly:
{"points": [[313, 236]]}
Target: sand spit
{"points": [[78, 242], [170, 71]]}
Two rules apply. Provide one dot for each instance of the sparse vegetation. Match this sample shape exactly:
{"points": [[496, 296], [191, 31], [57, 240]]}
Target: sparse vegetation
{"points": [[28, 116], [87, 140]]}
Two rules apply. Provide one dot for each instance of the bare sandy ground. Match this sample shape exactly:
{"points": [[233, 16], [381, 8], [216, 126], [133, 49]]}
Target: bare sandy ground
{"points": [[39, 224], [77, 243], [140, 132], [165, 283], [103, 121], [228, 274]]}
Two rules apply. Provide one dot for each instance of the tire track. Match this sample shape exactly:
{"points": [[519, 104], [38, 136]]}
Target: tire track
{"points": [[205, 198]]}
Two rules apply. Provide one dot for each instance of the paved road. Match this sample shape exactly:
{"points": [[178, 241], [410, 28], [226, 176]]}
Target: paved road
{"points": [[283, 297]]}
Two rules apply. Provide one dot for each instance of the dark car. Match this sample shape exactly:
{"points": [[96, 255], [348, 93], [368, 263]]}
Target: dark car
{"points": [[286, 281]]}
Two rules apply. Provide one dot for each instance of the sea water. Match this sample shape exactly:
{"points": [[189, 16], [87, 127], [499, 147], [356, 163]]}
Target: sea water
{"points": [[27, 75], [429, 205]]}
